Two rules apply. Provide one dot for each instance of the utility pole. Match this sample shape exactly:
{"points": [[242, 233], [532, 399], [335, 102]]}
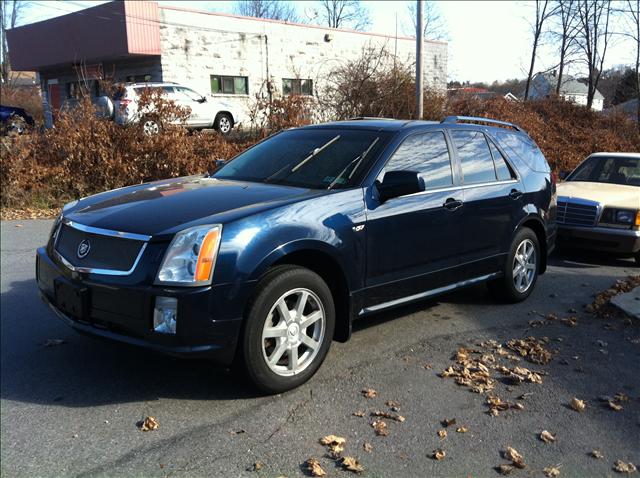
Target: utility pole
{"points": [[419, 66]]}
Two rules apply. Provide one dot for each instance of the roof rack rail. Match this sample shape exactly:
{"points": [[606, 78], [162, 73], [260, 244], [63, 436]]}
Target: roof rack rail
{"points": [[478, 119], [358, 118]]}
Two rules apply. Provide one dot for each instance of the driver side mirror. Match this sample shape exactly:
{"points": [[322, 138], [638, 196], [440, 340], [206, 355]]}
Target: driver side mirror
{"points": [[398, 183], [203, 99]]}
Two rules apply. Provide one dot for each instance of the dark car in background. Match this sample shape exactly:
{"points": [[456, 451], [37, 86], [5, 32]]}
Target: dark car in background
{"points": [[273, 256], [14, 120]]}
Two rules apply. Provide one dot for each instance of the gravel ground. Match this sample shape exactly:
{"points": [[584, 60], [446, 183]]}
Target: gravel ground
{"points": [[71, 409]]}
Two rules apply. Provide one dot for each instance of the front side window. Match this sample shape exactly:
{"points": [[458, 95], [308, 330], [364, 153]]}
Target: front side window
{"points": [[475, 157], [296, 86], [313, 158], [229, 85], [426, 154]]}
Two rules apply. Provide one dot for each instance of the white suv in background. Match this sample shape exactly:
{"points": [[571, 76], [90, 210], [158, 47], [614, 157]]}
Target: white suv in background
{"points": [[206, 111]]}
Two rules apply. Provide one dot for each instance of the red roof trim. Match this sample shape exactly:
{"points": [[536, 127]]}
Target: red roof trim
{"points": [[269, 20]]}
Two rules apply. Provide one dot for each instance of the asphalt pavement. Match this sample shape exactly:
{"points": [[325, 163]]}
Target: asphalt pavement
{"points": [[71, 409]]}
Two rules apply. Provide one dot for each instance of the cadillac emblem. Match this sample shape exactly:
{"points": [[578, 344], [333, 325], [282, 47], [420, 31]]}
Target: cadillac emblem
{"points": [[83, 249]]}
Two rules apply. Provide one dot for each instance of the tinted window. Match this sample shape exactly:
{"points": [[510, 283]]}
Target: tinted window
{"points": [[503, 171], [615, 170], [426, 154], [313, 158], [475, 157], [523, 147]]}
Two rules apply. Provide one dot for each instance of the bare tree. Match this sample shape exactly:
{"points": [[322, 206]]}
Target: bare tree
{"points": [[344, 13], [566, 14], [274, 9], [543, 12], [9, 13], [593, 37], [435, 25], [631, 24]]}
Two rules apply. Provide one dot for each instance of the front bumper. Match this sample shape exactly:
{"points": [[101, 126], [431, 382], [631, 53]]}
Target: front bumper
{"points": [[208, 324], [606, 239]]}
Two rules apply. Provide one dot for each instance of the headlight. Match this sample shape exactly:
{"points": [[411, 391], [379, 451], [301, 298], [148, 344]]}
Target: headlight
{"points": [[191, 257], [625, 217]]}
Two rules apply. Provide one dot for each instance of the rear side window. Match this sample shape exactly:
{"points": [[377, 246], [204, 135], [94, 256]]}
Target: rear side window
{"points": [[503, 170], [524, 148], [475, 157], [428, 155]]}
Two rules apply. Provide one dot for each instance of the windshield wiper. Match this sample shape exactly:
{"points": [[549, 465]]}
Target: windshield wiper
{"points": [[311, 155], [358, 160]]}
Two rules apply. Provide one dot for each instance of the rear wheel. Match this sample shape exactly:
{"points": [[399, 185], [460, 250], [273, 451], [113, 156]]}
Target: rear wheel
{"points": [[223, 123], [289, 328], [150, 125], [521, 268]]}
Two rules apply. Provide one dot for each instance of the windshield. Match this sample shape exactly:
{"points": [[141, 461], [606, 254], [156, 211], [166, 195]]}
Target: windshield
{"points": [[311, 158], [613, 170]]}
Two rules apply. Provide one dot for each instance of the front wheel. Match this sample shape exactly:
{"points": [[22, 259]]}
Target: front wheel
{"points": [[289, 328], [521, 268]]}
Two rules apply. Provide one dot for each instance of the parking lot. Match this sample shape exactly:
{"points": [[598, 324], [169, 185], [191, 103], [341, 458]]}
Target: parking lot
{"points": [[70, 407]]}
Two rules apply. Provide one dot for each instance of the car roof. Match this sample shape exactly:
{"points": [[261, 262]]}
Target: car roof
{"points": [[615, 155], [385, 124]]}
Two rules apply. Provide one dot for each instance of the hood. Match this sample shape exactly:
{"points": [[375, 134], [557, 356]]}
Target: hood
{"points": [[614, 195], [165, 207]]}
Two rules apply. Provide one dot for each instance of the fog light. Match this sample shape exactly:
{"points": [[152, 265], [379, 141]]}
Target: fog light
{"points": [[165, 315]]}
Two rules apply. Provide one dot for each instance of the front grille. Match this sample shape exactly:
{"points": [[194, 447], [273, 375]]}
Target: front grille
{"points": [[106, 252], [577, 213]]}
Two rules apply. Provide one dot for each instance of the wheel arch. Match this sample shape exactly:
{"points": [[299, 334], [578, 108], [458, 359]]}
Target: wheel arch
{"points": [[324, 262], [537, 226]]}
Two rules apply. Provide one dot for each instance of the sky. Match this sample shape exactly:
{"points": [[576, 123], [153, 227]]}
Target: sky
{"points": [[488, 40]]}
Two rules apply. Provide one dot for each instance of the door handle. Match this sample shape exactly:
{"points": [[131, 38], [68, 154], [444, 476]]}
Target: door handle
{"points": [[452, 204], [515, 194]]}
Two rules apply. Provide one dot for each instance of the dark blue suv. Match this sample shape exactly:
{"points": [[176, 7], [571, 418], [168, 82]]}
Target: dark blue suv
{"points": [[274, 255]]}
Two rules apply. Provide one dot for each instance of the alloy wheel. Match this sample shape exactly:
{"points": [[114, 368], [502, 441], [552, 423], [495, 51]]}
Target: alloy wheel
{"points": [[524, 266], [224, 125], [293, 332]]}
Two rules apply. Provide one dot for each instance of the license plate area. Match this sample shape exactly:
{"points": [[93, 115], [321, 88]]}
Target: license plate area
{"points": [[72, 300]]}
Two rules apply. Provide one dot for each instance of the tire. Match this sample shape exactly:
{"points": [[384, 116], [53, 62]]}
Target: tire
{"points": [[512, 287], [223, 123], [268, 335], [150, 125]]}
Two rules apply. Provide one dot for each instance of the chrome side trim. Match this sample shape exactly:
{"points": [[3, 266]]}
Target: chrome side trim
{"points": [[92, 270], [106, 232], [459, 188], [426, 294]]}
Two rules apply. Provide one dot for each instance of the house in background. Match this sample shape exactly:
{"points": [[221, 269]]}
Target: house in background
{"points": [[543, 85], [629, 108], [227, 56], [478, 93]]}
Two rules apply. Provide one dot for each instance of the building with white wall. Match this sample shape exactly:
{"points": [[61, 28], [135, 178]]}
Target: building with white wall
{"points": [[544, 85], [228, 56]]}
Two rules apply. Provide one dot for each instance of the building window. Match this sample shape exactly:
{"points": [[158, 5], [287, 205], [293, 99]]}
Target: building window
{"points": [[292, 86], [229, 85]]}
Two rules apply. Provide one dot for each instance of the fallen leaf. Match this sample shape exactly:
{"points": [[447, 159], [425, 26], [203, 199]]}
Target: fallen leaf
{"points": [[53, 342], [351, 464], [380, 427], [428, 366], [570, 321], [18, 225], [148, 424], [442, 434], [390, 416], [368, 447], [438, 454], [369, 393], [551, 472], [547, 437], [447, 422], [505, 469], [514, 457], [578, 405], [462, 430], [335, 444], [359, 413], [624, 467], [314, 468], [621, 397], [237, 432], [597, 454], [393, 405], [257, 466], [614, 406]]}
